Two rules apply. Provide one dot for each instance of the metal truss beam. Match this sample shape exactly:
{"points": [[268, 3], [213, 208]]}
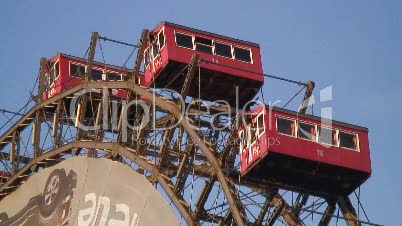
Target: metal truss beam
{"points": [[329, 211], [282, 208], [204, 194], [184, 167], [264, 209], [348, 211], [301, 200], [140, 56], [42, 71], [195, 59], [91, 55]]}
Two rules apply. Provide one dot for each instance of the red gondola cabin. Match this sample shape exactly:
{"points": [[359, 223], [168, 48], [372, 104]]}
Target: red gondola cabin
{"points": [[64, 72], [4, 175], [225, 63], [304, 152]]}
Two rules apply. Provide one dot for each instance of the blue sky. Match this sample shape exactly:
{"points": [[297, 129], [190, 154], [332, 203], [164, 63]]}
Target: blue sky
{"points": [[355, 46]]}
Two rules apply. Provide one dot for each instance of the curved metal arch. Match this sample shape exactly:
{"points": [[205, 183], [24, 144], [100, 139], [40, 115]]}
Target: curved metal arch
{"points": [[168, 106], [175, 111]]}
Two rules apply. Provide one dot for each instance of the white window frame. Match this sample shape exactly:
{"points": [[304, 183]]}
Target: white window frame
{"points": [[183, 33], [51, 85], [351, 133], [195, 44], [57, 62], [308, 123], [114, 72], [329, 128], [232, 46], [263, 123], [286, 118], [159, 52], [243, 142], [104, 71], [246, 48], [164, 43], [78, 64], [231, 49], [151, 46], [99, 69]]}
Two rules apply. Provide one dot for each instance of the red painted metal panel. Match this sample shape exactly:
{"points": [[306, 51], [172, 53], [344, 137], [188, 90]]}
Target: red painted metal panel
{"points": [[4, 175], [65, 81], [307, 149], [251, 155], [172, 52], [160, 62]]}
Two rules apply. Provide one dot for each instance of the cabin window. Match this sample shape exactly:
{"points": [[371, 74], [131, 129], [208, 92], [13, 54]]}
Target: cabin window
{"points": [[47, 86], [146, 58], [56, 68], [252, 130], [328, 136], [306, 131], [124, 76], [203, 45], [260, 124], [223, 50], [242, 54], [184, 40], [286, 126], [243, 141], [161, 39], [51, 77], [77, 70], [111, 76], [348, 140], [155, 50], [96, 74]]}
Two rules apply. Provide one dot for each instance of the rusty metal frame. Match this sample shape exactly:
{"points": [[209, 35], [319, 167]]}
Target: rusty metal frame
{"points": [[140, 56], [91, 56], [164, 105], [348, 211]]}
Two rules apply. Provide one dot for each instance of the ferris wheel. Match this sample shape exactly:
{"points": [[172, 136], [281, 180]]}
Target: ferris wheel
{"points": [[189, 123]]}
